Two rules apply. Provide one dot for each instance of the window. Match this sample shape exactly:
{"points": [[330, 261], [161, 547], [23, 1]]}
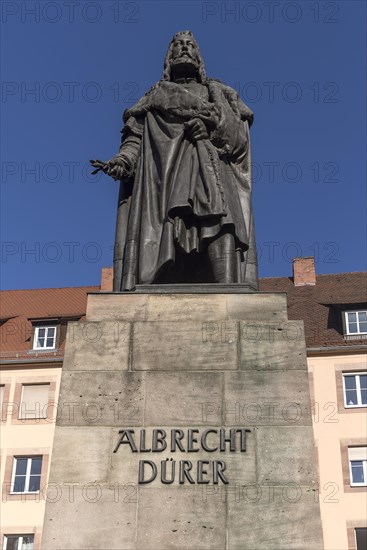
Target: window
{"points": [[44, 338], [356, 322], [358, 466], [361, 538], [355, 389], [34, 401], [26, 474], [18, 542]]}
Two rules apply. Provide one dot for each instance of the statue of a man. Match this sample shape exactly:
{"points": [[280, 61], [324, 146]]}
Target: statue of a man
{"points": [[185, 212]]}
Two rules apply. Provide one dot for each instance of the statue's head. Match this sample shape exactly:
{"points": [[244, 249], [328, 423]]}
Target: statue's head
{"points": [[183, 54]]}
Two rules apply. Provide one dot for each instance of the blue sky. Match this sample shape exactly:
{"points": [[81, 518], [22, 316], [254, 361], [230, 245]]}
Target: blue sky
{"points": [[70, 69]]}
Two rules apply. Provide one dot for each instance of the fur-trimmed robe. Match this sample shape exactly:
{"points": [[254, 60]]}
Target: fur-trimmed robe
{"points": [[185, 193]]}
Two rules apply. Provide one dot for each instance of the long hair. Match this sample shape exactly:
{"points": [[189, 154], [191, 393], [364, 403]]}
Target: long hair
{"points": [[168, 58]]}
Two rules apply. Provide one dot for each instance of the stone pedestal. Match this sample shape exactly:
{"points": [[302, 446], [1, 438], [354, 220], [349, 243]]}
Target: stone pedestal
{"points": [[161, 361]]}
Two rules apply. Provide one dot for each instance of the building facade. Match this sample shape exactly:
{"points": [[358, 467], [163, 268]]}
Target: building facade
{"points": [[33, 335], [334, 311]]}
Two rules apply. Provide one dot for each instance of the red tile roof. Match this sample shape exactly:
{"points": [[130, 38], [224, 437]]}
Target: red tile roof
{"points": [[321, 306], [18, 307]]}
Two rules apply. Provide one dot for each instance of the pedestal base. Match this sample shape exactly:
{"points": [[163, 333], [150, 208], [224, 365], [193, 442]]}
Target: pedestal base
{"points": [[196, 372]]}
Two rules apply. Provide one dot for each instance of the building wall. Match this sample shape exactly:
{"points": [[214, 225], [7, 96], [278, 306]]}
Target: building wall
{"points": [[343, 507], [25, 437]]}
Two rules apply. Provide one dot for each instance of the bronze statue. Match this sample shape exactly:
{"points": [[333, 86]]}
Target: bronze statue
{"points": [[184, 213]]}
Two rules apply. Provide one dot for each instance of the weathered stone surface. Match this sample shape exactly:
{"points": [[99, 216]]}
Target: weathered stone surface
{"points": [[97, 346], [182, 345], [241, 467], [274, 518], [117, 307], [91, 519], [100, 398], [91, 444], [132, 307], [179, 398], [190, 520], [257, 307], [286, 454], [272, 346], [266, 398], [186, 307]]}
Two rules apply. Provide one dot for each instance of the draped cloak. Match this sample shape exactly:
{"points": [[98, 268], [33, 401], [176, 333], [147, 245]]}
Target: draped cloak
{"points": [[185, 193]]}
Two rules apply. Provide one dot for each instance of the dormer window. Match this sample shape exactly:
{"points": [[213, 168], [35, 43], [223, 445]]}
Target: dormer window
{"points": [[355, 322], [44, 337]]}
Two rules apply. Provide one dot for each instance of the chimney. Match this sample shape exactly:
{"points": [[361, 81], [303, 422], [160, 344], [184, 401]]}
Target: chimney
{"points": [[107, 279], [304, 271]]}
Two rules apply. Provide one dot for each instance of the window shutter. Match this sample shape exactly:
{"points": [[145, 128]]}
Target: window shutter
{"points": [[34, 400], [357, 453]]}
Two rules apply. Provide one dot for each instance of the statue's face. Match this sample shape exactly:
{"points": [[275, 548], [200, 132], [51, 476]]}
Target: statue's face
{"points": [[185, 51]]}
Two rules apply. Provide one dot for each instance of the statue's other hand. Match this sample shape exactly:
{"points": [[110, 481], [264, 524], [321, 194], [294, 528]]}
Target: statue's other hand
{"points": [[115, 168], [196, 129], [211, 119]]}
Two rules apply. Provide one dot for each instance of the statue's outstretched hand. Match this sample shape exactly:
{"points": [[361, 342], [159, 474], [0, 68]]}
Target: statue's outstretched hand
{"points": [[114, 167], [196, 129]]}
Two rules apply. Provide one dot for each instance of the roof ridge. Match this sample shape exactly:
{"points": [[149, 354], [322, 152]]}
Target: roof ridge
{"points": [[343, 273], [319, 275], [98, 286], [49, 288]]}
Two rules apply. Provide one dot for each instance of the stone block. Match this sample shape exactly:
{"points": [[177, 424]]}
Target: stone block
{"points": [[127, 307], [186, 307], [178, 517], [183, 345], [94, 517], [286, 454], [178, 398], [101, 398], [97, 346], [266, 398], [274, 518], [272, 346], [257, 307], [91, 444]]}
